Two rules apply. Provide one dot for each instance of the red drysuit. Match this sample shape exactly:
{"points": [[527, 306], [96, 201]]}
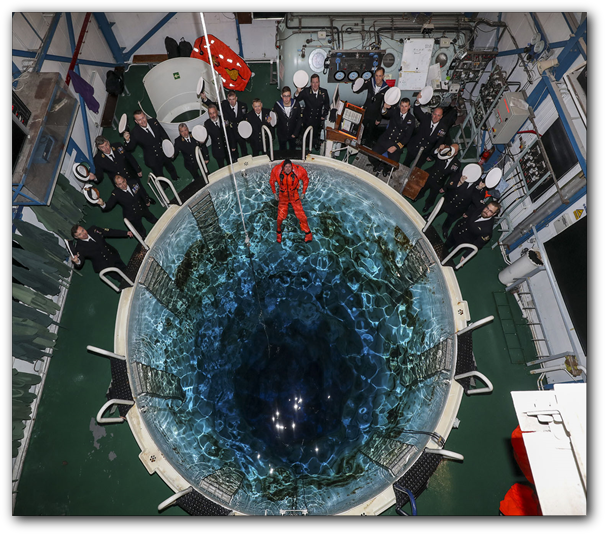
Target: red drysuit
{"points": [[288, 194]]}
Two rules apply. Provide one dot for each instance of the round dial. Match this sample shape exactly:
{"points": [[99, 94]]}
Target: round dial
{"points": [[353, 75], [339, 75], [366, 75], [316, 59]]}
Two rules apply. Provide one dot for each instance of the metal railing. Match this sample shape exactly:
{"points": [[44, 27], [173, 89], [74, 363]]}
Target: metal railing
{"points": [[473, 248], [171, 500], [111, 284], [476, 324], [102, 420], [104, 352], [434, 214], [304, 142], [201, 164], [476, 374], [265, 130], [136, 234], [159, 192]]}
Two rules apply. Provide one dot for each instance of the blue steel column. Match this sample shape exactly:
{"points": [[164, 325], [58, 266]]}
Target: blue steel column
{"points": [[45, 45], [239, 38], [64, 59], [147, 36], [110, 38]]}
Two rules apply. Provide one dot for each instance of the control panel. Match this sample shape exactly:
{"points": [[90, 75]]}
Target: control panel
{"points": [[348, 65], [20, 110], [470, 66], [489, 92], [533, 166]]}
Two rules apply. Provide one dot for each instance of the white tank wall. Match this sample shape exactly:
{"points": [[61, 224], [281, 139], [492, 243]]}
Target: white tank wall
{"points": [[291, 44]]}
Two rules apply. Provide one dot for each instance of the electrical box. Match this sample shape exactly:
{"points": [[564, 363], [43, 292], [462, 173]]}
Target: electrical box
{"points": [[321, 35], [509, 115]]}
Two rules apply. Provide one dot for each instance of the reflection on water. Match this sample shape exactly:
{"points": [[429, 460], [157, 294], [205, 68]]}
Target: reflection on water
{"points": [[294, 356]]}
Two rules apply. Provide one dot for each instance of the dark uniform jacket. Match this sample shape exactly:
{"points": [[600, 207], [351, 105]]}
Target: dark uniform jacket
{"points": [[255, 139], [374, 101], [398, 133], [98, 251], [216, 134], [438, 172], [229, 115], [422, 136], [468, 230], [152, 146], [458, 198], [288, 126], [231, 120], [123, 163], [316, 106], [188, 150], [134, 205]]}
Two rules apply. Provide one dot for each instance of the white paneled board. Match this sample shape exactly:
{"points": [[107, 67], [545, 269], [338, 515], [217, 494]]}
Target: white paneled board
{"points": [[415, 62]]}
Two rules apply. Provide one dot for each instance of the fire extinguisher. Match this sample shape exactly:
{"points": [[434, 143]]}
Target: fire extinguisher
{"points": [[487, 153]]}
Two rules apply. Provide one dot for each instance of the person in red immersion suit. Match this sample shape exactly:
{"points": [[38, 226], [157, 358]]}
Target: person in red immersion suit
{"points": [[288, 177]]}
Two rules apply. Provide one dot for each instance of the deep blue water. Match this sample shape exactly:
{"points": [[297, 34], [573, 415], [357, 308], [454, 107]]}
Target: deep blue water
{"points": [[293, 356]]}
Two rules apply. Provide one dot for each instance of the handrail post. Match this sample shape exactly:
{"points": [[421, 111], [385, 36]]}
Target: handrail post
{"points": [[482, 377], [265, 129], [447, 454], [176, 195], [135, 233], [158, 190], [171, 500], [434, 214], [104, 352], [455, 251], [476, 324], [101, 419], [111, 284], [309, 129], [201, 164]]}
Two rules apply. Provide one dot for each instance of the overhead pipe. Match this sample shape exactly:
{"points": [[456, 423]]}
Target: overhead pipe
{"points": [[76, 53]]}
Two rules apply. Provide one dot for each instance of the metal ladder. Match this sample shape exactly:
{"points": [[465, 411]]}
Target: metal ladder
{"points": [[162, 287], [207, 221]]}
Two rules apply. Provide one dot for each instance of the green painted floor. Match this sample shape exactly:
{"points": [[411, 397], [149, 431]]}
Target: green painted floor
{"points": [[76, 467]]}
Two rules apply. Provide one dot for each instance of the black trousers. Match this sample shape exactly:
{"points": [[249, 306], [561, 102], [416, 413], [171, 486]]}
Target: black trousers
{"points": [[138, 223], [434, 191], [120, 265], [287, 144], [158, 168], [194, 170]]}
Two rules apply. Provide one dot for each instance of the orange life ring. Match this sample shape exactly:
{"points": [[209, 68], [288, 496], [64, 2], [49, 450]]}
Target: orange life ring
{"points": [[232, 69]]}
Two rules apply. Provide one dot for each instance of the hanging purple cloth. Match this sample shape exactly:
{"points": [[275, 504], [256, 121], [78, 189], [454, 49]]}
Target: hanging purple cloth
{"points": [[85, 90]]}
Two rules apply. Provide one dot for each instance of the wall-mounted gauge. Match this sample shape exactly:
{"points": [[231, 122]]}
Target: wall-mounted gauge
{"points": [[339, 75], [353, 75], [317, 59], [388, 60], [367, 75]]}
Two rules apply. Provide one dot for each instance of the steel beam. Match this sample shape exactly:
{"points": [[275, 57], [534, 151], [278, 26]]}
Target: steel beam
{"points": [[148, 35], [63, 59], [105, 27], [45, 45]]}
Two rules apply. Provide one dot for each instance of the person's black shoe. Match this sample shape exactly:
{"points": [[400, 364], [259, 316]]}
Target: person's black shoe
{"points": [[152, 201], [426, 216], [444, 234], [174, 178]]}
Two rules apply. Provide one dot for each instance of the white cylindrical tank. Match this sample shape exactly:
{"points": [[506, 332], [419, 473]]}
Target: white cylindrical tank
{"points": [[172, 89], [520, 268]]}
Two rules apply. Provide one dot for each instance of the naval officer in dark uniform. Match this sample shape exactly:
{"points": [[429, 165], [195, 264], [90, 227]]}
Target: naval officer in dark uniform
{"points": [[459, 196], [91, 245], [316, 107], [234, 112], [438, 174], [258, 117], [398, 133], [217, 135], [432, 129], [134, 200], [376, 88], [149, 134], [475, 228], [113, 159], [186, 145]]}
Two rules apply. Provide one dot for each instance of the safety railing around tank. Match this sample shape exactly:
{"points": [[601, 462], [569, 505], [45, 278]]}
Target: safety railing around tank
{"points": [[201, 164], [308, 133], [172, 500], [116, 365], [265, 131], [119, 271], [111, 284], [460, 247], [136, 234], [433, 215], [472, 373], [154, 182]]}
